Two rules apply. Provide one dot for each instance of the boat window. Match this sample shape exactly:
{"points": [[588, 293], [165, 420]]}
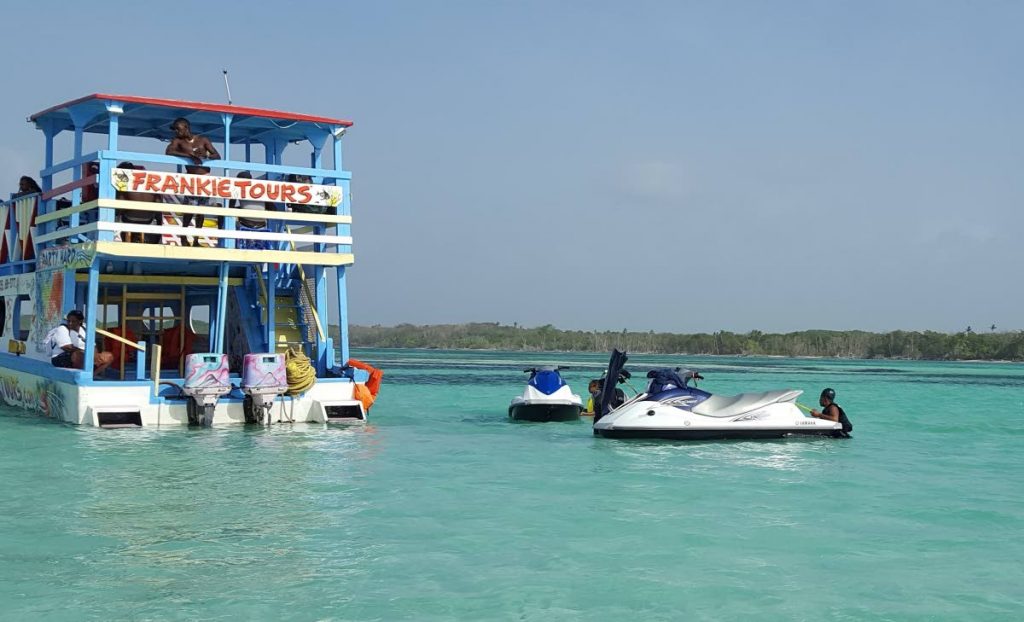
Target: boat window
{"points": [[3, 314], [110, 315], [24, 313], [199, 319], [158, 318]]}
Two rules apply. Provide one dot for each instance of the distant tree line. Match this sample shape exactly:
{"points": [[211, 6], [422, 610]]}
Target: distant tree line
{"points": [[927, 345]]}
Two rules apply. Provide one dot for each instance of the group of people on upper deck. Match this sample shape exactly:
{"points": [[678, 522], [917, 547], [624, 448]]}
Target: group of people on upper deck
{"points": [[185, 144]]}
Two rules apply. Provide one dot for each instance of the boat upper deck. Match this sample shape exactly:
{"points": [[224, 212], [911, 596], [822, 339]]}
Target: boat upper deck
{"points": [[131, 198]]}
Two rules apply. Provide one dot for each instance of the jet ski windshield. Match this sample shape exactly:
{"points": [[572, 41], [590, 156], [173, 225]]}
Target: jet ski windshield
{"points": [[665, 380], [547, 380], [615, 374]]}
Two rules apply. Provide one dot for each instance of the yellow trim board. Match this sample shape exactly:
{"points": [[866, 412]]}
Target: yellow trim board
{"points": [[67, 211], [199, 253], [153, 279], [119, 338]]}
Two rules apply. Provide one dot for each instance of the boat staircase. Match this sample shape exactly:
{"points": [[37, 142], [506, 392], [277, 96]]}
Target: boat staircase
{"points": [[295, 324]]}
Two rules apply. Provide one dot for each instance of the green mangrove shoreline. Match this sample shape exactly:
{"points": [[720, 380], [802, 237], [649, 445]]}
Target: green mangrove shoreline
{"points": [[907, 345]]}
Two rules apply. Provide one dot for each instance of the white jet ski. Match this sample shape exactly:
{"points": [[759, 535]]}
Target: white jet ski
{"points": [[671, 409], [546, 398]]}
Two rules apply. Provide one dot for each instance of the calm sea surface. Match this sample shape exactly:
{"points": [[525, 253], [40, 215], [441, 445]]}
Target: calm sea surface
{"points": [[440, 509]]}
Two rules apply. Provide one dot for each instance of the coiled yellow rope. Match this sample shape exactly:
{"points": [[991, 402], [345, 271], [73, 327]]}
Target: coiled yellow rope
{"points": [[301, 375]]}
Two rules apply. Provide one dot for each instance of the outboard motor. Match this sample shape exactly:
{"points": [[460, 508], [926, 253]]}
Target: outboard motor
{"points": [[263, 379], [206, 380]]}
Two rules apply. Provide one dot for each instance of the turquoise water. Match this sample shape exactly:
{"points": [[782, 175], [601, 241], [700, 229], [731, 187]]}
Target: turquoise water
{"points": [[440, 509]]}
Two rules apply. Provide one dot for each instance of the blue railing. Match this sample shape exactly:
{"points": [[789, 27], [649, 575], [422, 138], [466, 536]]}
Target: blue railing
{"points": [[96, 222]]}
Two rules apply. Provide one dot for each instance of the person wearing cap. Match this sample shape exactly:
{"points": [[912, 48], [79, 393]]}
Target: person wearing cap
{"points": [[832, 411]]}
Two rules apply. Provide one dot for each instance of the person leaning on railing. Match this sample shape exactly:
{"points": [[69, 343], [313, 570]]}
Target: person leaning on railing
{"points": [[195, 148], [26, 185]]}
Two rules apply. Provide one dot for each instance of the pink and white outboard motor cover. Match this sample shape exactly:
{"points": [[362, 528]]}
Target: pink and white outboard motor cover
{"points": [[206, 380], [264, 377]]}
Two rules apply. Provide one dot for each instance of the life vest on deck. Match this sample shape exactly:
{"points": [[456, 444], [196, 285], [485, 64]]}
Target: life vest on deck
{"points": [[170, 342], [114, 346]]}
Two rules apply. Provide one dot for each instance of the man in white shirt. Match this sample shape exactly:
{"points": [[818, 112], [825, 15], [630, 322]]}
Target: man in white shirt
{"points": [[67, 346]]}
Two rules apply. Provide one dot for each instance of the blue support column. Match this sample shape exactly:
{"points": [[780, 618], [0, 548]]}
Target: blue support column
{"points": [[226, 155], [338, 132], [222, 304], [321, 310], [271, 307], [229, 221], [343, 316], [76, 175], [114, 112], [106, 191], [344, 209], [318, 139], [47, 180], [92, 294], [46, 207]]}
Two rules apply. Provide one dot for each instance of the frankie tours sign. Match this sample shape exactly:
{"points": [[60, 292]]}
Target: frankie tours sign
{"points": [[224, 188]]}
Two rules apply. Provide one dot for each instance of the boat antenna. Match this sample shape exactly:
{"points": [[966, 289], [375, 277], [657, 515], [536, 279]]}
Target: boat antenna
{"points": [[227, 85]]}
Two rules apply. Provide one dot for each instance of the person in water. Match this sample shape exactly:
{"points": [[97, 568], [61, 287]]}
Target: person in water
{"points": [[595, 397], [832, 411], [67, 346], [196, 148]]}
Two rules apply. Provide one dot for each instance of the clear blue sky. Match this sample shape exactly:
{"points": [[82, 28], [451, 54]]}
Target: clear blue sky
{"points": [[719, 165]]}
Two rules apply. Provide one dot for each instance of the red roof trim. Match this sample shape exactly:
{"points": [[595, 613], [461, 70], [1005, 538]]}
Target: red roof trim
{"points": [[179, 103]]}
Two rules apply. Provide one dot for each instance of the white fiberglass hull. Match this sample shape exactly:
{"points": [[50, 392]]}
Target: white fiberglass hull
{"points": [[550, 410], [65, 396], [651, 419]]}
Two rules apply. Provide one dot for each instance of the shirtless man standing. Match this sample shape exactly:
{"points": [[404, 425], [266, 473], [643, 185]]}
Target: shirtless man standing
{"points": [[195, 148]]}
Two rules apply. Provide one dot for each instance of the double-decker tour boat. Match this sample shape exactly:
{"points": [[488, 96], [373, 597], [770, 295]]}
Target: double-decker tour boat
{"points": [[210, 285]]}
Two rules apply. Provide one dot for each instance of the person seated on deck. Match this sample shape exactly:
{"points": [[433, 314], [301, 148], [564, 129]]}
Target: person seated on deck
{"points": [[26, 185], [91, 192], [67, 346], [137, 217], [196, 148], [250, 224], [304, 207]]}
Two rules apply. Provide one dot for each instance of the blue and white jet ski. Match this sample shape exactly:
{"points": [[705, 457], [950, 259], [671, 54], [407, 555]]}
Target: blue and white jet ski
{"points": [[672, 409], [547, 398]]}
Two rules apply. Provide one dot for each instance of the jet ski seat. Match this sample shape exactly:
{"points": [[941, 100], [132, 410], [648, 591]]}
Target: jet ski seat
{"points": [[732, 405]]}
